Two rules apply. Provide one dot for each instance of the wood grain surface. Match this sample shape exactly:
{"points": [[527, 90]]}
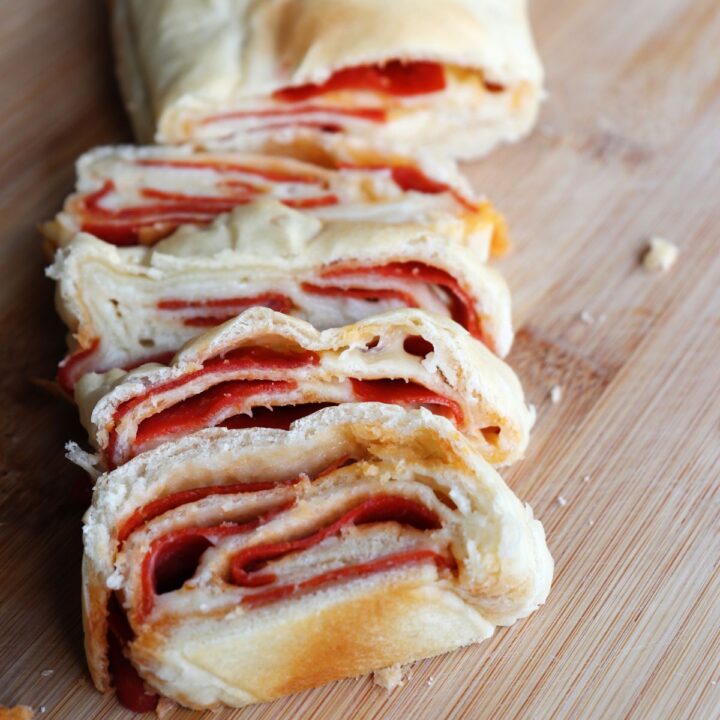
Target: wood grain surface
{"points": [[623, 471]]}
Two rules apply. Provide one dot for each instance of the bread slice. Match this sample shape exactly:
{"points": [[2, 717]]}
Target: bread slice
{"points": [[242, 565], [127, 305], [128, 195], [455, 77], [266, 369]]}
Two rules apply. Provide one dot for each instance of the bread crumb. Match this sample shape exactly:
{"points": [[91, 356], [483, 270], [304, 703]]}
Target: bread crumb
{"points": [[430, 681], [20, 712], [587, 478], [591, 522], [587, 317], [389, 678], [165, 707], [562, 502], [47, 673], [556, 393], [660, 255]]}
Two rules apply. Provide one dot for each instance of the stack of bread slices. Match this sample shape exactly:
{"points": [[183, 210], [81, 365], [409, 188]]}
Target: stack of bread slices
{"points": [[285, 344]]}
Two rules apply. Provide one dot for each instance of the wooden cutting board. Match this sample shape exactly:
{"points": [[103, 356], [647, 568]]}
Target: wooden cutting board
{"points": [[623, 471]]}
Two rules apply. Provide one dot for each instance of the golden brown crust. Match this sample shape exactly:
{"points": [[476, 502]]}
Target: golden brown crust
{"points": [[337, 645], [400, 622]]}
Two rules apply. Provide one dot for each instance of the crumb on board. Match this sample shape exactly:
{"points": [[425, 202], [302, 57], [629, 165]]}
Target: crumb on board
{"points": [[660, 255], [587, 317], [556, 394], [586, 478], [47, 672], [389, 678], [591, 522], [20, 712], [561, 501], [165, 707], [430, 681]]}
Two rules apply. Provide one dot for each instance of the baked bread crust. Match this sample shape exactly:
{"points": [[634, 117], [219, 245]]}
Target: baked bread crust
{"points": [[225, 653], [181, 63], [485, 391]]}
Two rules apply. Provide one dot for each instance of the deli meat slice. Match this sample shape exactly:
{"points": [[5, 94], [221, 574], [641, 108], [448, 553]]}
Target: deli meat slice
{"points": [[126, 306], [267, 369], [223, 567]]}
